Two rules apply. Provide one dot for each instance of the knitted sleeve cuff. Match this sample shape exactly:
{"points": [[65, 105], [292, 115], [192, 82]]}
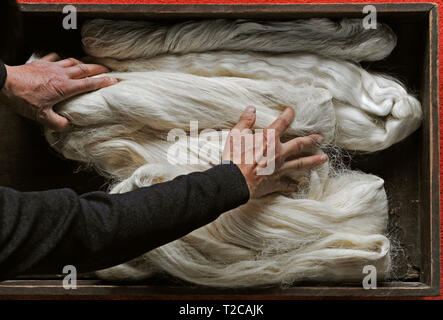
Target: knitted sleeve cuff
{"points": [[3, 74]]}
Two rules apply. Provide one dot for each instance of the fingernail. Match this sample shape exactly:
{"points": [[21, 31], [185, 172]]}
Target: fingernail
{"points": [[323, 157], [250, 109], [113, 80], [288, 111]]}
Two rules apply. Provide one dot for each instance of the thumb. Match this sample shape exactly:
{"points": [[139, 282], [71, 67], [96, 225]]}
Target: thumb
{"points": [[56, 122]]}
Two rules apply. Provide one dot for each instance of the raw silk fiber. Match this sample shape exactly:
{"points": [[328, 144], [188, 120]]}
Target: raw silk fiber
{"points": [[209, 71]]}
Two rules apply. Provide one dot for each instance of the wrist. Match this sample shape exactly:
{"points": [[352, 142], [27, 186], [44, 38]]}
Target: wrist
{"points": [[242, 179], [6, 88]]}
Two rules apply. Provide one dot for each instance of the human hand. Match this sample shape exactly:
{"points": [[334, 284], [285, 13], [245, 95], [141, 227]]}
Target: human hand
{"points": [[34, 88], [265, 148]]}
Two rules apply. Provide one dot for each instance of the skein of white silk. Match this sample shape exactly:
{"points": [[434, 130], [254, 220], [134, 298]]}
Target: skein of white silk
{"points": [[327, 231], [372, 111], [346, 39], [329, 235]]}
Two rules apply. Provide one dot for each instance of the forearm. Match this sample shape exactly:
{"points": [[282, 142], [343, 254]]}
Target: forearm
{"points": [[43, 231]]}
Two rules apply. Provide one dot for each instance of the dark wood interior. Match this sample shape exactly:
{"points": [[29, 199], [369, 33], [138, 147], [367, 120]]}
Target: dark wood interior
{"points": [[409, 168]]}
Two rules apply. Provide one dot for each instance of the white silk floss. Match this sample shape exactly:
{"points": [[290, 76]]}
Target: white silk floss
{"points": [[209, 71]]}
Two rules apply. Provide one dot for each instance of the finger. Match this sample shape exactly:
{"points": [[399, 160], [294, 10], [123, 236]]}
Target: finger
{"points": [[304, 163], [247, 119], [54, 121], [283, 122], [85, 70], [51, 57], [297, 145], [88, 84], [69, 62]]}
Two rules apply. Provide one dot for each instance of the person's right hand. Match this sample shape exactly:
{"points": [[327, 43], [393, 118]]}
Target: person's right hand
{"points": [[32, 89], [286, 156]]}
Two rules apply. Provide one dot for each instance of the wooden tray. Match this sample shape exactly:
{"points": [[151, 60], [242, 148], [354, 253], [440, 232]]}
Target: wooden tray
{"points": [[410, 169]]}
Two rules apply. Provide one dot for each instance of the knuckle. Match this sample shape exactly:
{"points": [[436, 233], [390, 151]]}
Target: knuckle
{"points": [[55, 55], [249, 121], [298, 165], [312, 139], [300, 145], [247, 118], [83, 70], [72, 61], [57, 85], [87, 84], [101, 82], [296, 145]]}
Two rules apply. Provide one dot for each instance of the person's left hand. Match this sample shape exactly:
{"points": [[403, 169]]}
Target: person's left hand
{"points": [[34, 88], [243, 149]]}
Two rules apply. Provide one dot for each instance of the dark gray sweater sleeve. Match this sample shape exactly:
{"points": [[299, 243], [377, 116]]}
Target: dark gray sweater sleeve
{"points": [[41, 232]]}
